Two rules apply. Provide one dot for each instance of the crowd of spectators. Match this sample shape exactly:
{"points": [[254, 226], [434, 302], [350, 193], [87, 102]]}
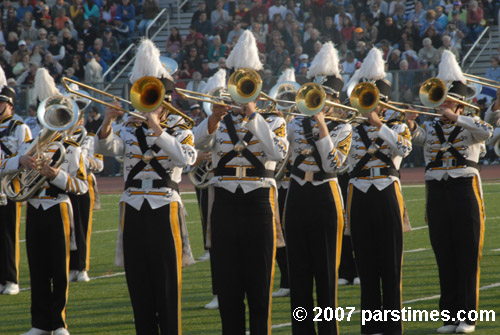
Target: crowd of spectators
{"points": [[76, 38], [412, 34]]}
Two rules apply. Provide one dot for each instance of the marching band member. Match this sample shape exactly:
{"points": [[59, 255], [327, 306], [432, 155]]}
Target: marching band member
{"points": [[283, 184], [48, 229], [217, 81], [245, 148], [455, 207], [314, 217], [152, 214], [375, 203], [83, 208], [13, 135]]}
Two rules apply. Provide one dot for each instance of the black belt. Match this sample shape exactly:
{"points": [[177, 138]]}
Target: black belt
{"points": [[451, 163], [52, 191], [244, 171], [376, 172], [313, 176], [156, 183]]}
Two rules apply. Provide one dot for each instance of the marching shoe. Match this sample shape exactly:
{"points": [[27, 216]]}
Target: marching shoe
{"points": [[83, 276], [214, 304], [342, 282], [464, 328], [36, 331], [205, 256], [73, 275], [356, 281], [2, 287], [282, 292], [11, 289], [61, 331], [448, 329]]}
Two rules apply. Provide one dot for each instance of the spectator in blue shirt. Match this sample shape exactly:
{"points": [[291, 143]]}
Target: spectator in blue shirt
{"points": [[493, 72], [91, 11], [24, 7], [204, 26], [126, 11], [98, 47]]}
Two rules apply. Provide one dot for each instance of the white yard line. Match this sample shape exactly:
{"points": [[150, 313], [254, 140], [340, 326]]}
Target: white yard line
{"points": [[416, 250]]}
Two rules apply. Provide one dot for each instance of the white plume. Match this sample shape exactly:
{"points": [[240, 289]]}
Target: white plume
{"points": [[3, 80], [287, 75], [147, 62], [449, 70], [372, 69], [325, 63], [44, 86], [217, 80], [245, 53]]}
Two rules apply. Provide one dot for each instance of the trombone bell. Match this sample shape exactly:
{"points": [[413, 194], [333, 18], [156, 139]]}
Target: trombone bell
{"points": [[244, 85], [147, 94], [365, 97], [310, 99]]}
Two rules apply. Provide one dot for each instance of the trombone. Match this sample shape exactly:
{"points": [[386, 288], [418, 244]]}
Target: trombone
{"points": [[434, 92], [482, 81], [146, 95], [366, 97], [311, 98]]}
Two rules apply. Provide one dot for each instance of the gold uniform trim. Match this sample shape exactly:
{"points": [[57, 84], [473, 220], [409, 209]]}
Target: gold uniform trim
{"points": [[90, 179], [401, 204], [477, 192], [340, 232], [176, 236], [66, 225], [272, 203]]}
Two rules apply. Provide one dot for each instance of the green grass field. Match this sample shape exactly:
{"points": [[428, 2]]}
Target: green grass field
{"points": [[102, 305]]}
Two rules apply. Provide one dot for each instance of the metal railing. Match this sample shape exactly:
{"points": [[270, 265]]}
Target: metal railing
{"points": [[474, 46], [131, 47], [179, 6]]}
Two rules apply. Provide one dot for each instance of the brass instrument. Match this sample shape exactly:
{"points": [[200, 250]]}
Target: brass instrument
{"points": [[284, 94], [146, 95], [365, 97], [244, 85], [482, 81], [311, 98], [434, 92], [200, 173], [56, 114], [215, 96]]}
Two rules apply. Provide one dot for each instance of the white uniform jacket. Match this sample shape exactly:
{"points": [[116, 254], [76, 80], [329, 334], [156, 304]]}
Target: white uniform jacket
{"points": [[268, 144], [332, 149], [93, 161], [72, 178], [176, 152], [396, 145], [14, 136], [468, 143]]}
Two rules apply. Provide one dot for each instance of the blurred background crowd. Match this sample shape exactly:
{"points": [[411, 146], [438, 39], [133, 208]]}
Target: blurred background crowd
{"points": [[80, 39]]}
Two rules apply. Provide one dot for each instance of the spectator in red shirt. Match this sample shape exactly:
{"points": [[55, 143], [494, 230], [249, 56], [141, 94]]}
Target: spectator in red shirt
{"points": [[474, 21], [191, 37]]}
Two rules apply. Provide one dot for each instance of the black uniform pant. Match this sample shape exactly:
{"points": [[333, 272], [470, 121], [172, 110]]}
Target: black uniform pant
{"points": [[347, 268], [152, 250], [82, 217], [281, 257], [455, 215], [9, 242], [314, 224], [376, 219], [243, 252], [202, 197], [47, 244]]}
